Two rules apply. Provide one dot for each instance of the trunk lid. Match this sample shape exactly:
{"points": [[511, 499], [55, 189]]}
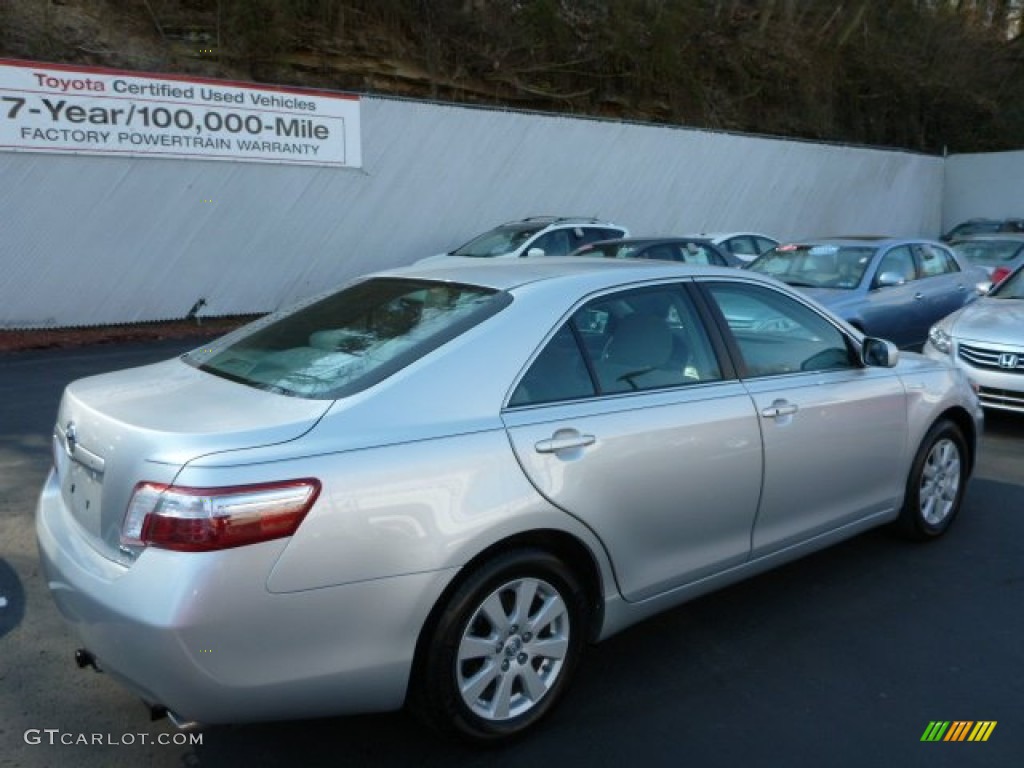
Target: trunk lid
{"points": [[118, 429]]}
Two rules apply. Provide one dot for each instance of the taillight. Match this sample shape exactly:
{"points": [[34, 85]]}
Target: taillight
{"points": [[1000, 273], [204, 519]]}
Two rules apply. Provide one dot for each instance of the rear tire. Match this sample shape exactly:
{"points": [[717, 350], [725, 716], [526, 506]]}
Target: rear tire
{"points": [[504, 648], [935, 487]]}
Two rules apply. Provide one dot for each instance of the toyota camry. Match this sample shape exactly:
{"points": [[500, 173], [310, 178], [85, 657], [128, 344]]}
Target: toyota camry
{"points": [[434, 486]]}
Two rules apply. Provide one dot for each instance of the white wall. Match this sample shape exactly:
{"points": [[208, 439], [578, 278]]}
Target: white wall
{"points": [[97, 240], [983, 186]]}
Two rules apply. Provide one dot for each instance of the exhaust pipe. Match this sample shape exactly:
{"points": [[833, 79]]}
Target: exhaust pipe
{"points": [[159, 712], [84, 658], [182, 724]]}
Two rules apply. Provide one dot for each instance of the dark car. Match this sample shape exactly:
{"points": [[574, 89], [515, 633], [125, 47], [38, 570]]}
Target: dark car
{"points": [[887, 287], [998, 254], [689, 250], [983, 227]]}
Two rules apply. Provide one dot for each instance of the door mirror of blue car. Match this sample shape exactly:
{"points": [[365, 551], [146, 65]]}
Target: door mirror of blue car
{"points": [[889, 279]]}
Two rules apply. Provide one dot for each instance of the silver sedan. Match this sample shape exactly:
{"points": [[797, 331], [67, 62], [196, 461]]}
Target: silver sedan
{"points": [[986, 340], [435, 486]]}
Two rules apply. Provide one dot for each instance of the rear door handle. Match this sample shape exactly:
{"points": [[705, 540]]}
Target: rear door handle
{"points": [[918, 296], [779, 408], [564, 440]]}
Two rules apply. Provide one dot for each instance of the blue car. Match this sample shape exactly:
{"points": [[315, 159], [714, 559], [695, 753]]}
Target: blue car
{"points": [[893, 288]]}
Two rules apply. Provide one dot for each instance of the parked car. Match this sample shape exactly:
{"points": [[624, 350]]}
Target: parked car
{"points": [[435, 485], [886, 287], [689, 250], [538, 236], [744, 246], [986, 340], [983, 227], [999, 255]]}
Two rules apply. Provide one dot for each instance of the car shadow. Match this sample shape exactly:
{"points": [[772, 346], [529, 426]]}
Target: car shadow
{"points": [[12, 599]]}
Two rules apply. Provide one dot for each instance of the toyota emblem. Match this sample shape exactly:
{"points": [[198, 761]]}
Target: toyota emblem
{"points": [[70, 438]]}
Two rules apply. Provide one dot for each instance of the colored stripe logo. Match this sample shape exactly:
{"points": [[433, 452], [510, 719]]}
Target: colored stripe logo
{"points": [[958, 730]]}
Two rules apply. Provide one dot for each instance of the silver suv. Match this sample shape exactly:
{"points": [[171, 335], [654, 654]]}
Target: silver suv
{"points": [[539, 236]]}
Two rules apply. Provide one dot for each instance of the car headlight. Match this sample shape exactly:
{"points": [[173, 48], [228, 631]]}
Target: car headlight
{"points": [[940, 338]]}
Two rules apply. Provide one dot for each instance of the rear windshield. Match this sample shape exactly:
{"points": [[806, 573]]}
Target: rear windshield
{"points": [[350, 340]]}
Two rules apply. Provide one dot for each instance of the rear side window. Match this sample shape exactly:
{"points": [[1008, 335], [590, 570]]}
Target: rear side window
{"points": [[934, 260], [351, 339], [627, 341]]}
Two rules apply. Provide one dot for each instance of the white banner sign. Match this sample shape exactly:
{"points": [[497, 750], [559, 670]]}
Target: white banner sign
{"points": [[53, 108]]}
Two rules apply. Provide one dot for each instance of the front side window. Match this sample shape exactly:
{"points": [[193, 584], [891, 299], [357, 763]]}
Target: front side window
{"points": [[897, 261], [351, 339], [554, 243], [628, 341], [775, 334]]}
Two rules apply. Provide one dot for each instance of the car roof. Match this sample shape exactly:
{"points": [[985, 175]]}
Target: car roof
{"points": [[545, 221], [509, 274], [861, 240], [652, 240], [1016, 237], [715, 236]]}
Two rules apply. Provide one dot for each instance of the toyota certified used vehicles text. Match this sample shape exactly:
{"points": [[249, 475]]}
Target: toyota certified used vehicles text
{"points": [[434, 486], [986, 340], [886, 287]]}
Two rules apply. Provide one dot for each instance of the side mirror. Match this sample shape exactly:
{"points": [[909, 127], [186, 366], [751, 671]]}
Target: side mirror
{"points": [[879, 353], [889, 279], [535, 252]]}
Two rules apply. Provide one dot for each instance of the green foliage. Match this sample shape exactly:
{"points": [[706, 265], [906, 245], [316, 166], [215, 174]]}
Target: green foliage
{"points": [[921, 74]]}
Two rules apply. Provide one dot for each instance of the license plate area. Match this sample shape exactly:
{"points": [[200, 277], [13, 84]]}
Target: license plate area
{"points": [[82, 488]]}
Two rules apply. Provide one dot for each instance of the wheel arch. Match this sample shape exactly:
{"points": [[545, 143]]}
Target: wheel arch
{"points": [[562, 545], [963, 420]]}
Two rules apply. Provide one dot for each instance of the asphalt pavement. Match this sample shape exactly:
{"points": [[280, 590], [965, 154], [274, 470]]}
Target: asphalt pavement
{"points": [[841, 659]]}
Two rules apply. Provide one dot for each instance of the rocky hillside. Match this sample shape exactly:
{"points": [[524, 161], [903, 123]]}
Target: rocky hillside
{"points": [[928, 75]]}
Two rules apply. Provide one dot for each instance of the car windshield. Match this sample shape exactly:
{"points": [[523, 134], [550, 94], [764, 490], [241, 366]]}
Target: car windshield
{"points": [[816, 266], [1010, 288], [498, 241], [988, 253], [334, 346]]}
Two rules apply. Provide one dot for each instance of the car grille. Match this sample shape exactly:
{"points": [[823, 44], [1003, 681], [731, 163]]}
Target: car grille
{"points": [[1001, 398], [992, 359]]}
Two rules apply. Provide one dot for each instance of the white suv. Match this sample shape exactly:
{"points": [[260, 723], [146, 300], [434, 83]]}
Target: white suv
{"points": [[539, 236]]}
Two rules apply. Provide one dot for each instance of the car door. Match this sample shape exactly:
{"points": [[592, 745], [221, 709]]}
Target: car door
{"points": [[895, 312], [627, 420], [834, 431]]}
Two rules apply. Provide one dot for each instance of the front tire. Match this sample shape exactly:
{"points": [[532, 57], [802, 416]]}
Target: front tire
{"points": [[935, 487], [504, 648]]}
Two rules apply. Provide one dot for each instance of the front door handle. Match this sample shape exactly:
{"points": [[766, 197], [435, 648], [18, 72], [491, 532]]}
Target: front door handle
{"points": [[918, 296], [564, 440], [779, 408]]}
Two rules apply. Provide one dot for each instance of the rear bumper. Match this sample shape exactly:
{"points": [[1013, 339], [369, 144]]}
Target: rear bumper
{"points": [[199, 634]]}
